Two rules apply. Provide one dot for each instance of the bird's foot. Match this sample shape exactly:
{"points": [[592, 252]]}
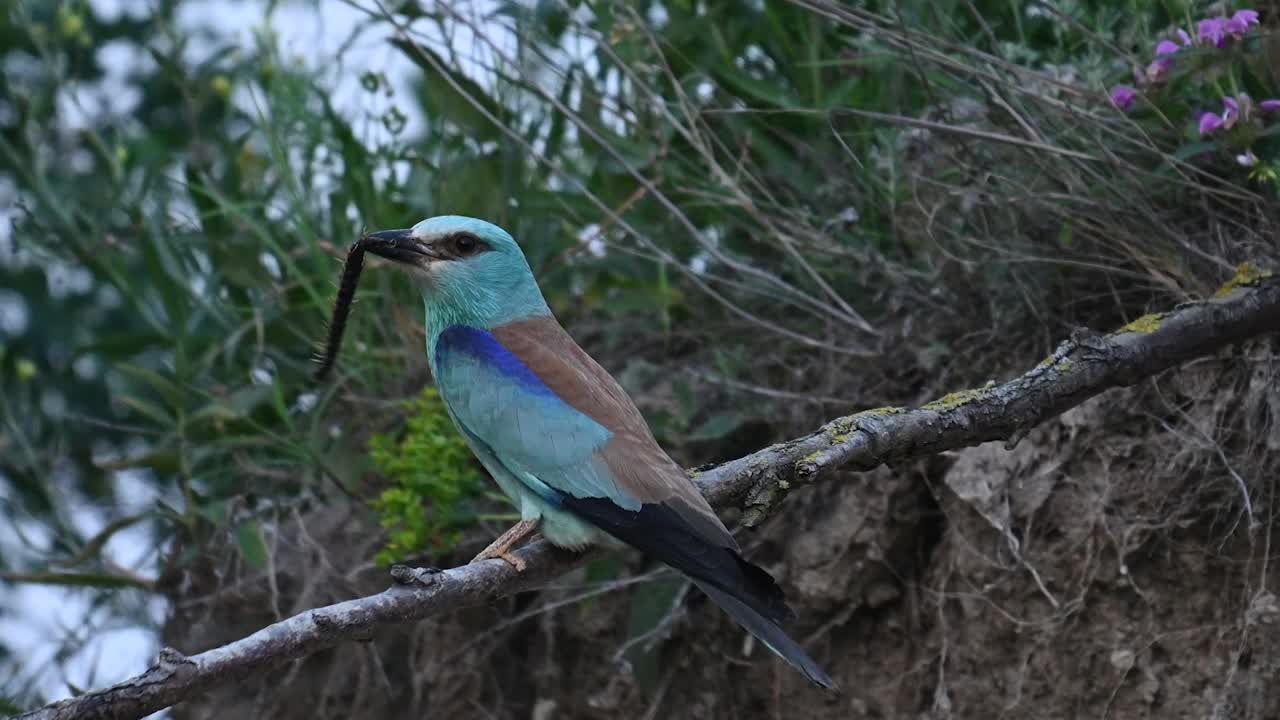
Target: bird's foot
{"points": [[510, 557], [501, 548]]}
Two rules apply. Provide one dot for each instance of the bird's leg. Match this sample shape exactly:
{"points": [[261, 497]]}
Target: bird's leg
{"points": [[501, 548]]}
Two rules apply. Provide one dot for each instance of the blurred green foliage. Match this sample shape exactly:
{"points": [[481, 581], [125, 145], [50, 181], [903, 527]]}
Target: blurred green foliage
{"points": [[433, 483]]}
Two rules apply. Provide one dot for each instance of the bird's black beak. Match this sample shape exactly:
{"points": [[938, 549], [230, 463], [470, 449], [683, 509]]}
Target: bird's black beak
{"points": [[398, 245]]}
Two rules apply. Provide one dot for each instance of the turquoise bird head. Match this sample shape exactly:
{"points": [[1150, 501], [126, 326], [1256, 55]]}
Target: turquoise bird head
{"points": [[470, 272]]}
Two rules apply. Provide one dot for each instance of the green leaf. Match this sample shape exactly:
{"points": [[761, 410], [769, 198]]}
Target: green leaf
{"points": [[252, 544], [237, 405], [160, 460], [152, 379], [149, 409], [769, 93]]}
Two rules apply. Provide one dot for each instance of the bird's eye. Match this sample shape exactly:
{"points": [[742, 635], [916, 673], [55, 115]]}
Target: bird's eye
{"points": [[465, 244]]}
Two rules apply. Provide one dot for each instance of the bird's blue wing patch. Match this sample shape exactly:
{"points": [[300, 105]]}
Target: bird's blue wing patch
{"points": [[483, 348], [536, 435]]}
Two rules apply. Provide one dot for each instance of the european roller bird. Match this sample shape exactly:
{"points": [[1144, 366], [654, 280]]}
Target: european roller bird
{"points": [[558, 434]]}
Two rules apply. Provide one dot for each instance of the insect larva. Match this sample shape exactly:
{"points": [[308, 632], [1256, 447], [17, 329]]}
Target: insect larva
{"points": [[342, 307]]}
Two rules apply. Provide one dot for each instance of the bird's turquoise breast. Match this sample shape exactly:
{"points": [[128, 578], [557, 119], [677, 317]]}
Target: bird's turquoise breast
{"points": [[500, 399], [537, 447]]}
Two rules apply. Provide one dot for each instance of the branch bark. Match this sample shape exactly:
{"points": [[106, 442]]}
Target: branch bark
{"points": [[1082, 367]]}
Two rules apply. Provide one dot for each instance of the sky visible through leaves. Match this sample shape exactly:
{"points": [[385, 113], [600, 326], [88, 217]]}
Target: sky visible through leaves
{"points": [[40, 614]]}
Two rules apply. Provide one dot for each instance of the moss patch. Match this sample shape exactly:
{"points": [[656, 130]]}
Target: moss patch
{"points": [[881, 411], [1246, 274], [840, 429], [955, 399], [1144, 325]]}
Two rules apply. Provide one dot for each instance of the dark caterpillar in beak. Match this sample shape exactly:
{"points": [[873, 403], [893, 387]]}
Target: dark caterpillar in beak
{"points": [[342, 307]]}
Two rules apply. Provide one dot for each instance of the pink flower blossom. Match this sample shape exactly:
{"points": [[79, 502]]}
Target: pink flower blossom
{"points": [[1122, 96], [1213, 31], [1239, 23]]}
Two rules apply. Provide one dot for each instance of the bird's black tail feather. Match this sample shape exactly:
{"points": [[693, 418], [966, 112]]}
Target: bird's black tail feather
{"points": [[769, 633], [744, 590]]}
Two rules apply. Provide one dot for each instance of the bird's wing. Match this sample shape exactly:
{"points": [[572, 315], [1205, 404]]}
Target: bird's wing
{"points": [[554, 417]]}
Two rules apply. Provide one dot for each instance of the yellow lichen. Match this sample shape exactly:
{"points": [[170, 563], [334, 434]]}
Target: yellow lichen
{"points": [[955, 399], [886, 410], [1144, 325], [841, 429], [1246, 274], [840, 426]]}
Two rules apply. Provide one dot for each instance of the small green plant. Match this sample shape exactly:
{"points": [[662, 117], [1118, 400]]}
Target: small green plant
{"points": [[434, 483]]}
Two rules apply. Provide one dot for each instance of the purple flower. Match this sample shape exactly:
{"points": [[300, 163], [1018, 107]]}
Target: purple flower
{"points": [[1247, 159], [1269, 105], [1209, 123], [1159, 67], [1213, 31], [1230, 111], [1184, 37], [1122, 96], [1239, 23]]}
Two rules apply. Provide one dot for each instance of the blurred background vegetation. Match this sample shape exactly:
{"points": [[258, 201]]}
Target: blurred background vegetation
{"points": [[757, 213]]}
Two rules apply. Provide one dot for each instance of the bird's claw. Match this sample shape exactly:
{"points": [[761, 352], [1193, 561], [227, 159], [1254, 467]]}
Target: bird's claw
{"points": [[509, 557]]}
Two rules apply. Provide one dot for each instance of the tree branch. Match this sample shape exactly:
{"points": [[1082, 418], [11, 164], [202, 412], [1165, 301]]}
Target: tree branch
{"points": [[1083, 366]]}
